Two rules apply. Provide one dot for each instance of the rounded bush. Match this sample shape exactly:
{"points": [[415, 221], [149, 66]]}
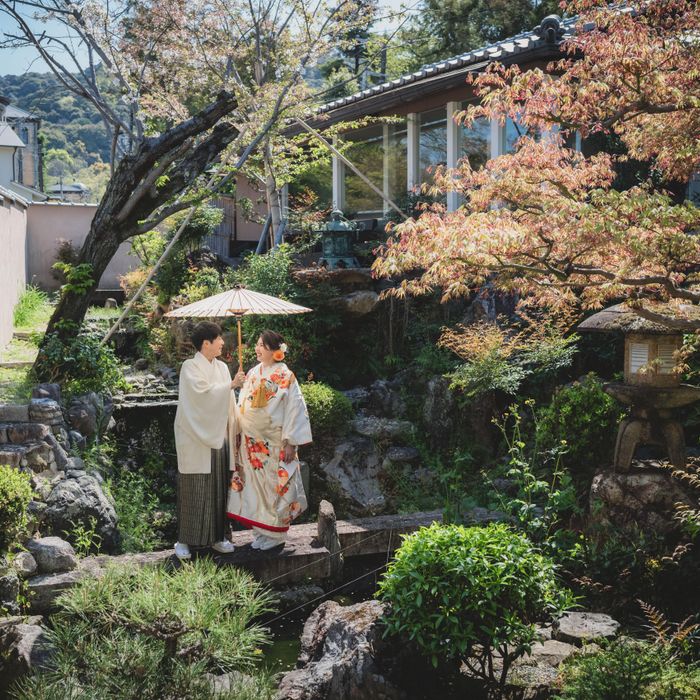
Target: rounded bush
{"points": [[329, 410], [463, 592], [15, 496], [584, 417]]}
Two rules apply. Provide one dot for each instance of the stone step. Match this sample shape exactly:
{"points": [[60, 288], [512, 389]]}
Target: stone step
{"points": [[16, 364]]}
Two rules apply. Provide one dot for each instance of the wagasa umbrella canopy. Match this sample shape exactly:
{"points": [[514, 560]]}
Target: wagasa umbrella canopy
{"points": [[237, 302]]}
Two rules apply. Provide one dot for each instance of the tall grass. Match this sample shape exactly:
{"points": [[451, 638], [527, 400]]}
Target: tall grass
{"points": [[33, 308]]}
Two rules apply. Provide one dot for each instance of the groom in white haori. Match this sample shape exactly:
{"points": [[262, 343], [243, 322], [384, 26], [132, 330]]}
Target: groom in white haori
{"points": [[205, 406]]}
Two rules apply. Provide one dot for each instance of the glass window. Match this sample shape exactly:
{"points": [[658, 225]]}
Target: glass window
{"points": [[398, 160], [367, 155], [475, 142], [433, 142], [512, 131]]}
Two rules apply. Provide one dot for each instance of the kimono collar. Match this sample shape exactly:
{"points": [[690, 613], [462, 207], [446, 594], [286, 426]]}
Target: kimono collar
{"points": [[203, 362]]}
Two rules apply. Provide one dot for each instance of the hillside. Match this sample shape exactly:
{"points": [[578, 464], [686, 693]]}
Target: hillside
{"points": [[67, 122]]}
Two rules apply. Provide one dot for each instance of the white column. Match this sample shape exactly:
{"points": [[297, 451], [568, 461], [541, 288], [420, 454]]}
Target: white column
{"points": [[385, 166], [498, 137], [454, 133], [412, 151], [338, 181]]}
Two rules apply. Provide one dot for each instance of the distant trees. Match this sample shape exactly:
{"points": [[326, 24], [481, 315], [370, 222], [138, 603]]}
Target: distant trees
{"points": [[443, 28]]}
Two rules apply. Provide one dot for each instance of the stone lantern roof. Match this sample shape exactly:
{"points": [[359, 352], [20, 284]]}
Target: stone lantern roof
{"points": [[622, 319]]}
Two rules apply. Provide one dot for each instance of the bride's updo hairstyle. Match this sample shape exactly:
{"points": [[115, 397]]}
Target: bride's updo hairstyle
{"points": [[271, 340]]}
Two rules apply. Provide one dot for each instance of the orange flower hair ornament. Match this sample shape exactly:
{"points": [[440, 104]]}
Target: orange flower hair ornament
{"points": [[278, 355]]}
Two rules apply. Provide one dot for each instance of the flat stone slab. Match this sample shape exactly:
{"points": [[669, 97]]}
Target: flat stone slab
{"points": [[14, 413], [580, 627], [302, 558]]}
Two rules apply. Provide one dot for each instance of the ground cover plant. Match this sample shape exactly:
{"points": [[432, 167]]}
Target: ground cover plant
{"points": [[155, 634], [452, 593]]}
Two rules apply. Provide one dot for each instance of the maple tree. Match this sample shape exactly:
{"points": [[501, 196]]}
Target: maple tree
{"points": [[547, 221]]}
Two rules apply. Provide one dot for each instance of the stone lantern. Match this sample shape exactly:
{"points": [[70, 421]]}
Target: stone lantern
{"points": [[337, 239], [651, 387]]}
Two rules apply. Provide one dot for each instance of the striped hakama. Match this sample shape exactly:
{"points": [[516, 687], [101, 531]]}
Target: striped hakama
{"points": [[201, 503]]}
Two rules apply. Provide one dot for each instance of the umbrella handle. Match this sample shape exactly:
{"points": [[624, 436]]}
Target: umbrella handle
{"points": [[240, 347]]}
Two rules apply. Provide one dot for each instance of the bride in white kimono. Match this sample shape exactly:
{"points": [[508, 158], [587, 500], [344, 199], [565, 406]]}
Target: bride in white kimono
{"points": [[266, 491]]}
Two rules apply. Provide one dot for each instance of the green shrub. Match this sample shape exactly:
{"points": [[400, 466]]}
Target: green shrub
{"points": [[329, 410], [151, 633], [141, 516], [33, 307], [585, 418], [628, 670], [80, 364], [15, 496], [469, 594]]}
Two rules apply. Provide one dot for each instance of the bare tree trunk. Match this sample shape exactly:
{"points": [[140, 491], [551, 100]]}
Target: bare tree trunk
{"points": [[272, 193]]}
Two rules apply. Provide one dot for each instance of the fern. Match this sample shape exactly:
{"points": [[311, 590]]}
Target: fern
{"points": [[674, 638]]}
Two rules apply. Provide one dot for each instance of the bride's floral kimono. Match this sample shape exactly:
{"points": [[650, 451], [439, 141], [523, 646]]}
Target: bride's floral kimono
{"points": [[265, 492]]}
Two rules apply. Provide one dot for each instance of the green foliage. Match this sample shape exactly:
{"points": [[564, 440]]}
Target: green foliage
{"points": [[66, 121], [15, 496], [468, 593], [176, 271], [80, 363], [151, 633], [443, 29], [329, 410], [33, 307], [269, 273], [84, 537], [140, 514], [628, 670], [545, 497], [78, 277], [492, 372], [504, 366], [584, 418]]}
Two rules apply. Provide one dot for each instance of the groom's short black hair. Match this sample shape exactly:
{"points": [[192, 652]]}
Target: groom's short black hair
{"points": [[206, 330]]}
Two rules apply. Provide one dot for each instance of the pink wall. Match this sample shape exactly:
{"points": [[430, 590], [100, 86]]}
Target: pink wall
{"points": [[47, 223], [13, 225]]}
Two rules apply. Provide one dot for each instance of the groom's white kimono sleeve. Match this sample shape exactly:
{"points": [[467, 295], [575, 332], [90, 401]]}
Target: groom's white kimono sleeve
{"points": [[205, 401]]}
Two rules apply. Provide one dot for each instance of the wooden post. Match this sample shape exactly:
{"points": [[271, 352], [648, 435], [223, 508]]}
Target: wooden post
{"points": [[328, 536]]}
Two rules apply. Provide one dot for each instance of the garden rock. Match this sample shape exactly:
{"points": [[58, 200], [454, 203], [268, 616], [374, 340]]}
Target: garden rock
{"points": [[381, 428], [580, 627], [76, 440], [297, 596], [401, 455], [439, 409], [24, 564], [385, 399], [90, 414], [643, 497], [52, 554], [551, 652], [14, 413], [354, 473], [23, 649], [76, 500], [359, 396], [339, 648], [18, 433], [47, 391], [141, 364], [358, 303], [9, 590], [46, 411]]}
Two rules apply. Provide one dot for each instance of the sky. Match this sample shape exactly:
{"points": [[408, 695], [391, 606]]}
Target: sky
{"points": [[18, 61]]}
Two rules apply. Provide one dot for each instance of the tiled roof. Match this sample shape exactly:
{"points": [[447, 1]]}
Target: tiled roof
{"points": [[501, 50], [13, 196]]}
